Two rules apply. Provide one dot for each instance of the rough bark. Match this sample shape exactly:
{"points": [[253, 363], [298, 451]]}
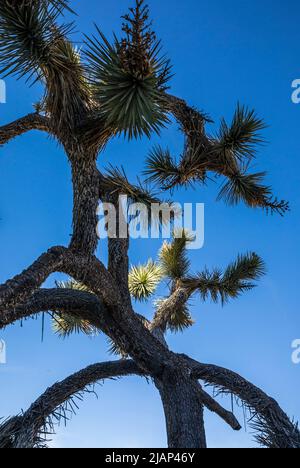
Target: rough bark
{"points": [[19, 288], [177, 299], [118, 259], [183, 410], [32, 121], [25, 431], [110, 310], [81, 304], [277, 430], [89, 307], [85, 200]]}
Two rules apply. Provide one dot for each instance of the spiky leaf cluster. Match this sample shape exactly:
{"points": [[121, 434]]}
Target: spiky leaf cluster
{"points": [[226, 155], [173, 256], [65, 325], [144, 279], [177, 322], [129, 77], [35, 46], [72, 284], [116, 182], [236, 279], [240, 139], [28, 33], [251, 189]]}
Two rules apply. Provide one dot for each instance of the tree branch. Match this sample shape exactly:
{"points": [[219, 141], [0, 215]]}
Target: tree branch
{"points": [[227, 155], [177, 300], [19, 288], [32, 121], [125, 328], [85, 199], [118, 260], [216, 408], [81, 304], [88, 307], [276, 429], [27, 431]]}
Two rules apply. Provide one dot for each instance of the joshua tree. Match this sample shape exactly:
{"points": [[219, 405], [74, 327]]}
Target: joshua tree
{"points": [[92, 95]]}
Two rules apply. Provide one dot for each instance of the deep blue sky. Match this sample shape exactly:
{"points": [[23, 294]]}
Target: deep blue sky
{"points": [[222, 52]]}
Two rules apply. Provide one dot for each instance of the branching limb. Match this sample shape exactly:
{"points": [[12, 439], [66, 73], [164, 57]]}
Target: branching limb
{"points": [[88, 307], [228, 155], [216, 408], [58, 403], [79, 304], [32, 121], [168, 308], [125, 328], [85, 200], [275, 428], [19, 288]]}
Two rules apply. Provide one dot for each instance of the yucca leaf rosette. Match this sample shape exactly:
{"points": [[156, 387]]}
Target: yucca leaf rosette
{"points": [[129, 77]]}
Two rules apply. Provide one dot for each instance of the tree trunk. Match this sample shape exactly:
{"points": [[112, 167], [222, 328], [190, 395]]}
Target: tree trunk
{"points": [[85, 203], [183, 411]]}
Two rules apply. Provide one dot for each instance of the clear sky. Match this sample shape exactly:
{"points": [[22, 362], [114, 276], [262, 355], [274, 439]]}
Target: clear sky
{"points": [[222, 52]]}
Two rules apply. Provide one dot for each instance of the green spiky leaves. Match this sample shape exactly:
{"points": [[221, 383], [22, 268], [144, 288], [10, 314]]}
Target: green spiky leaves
{"points": [[72, 284], [242, 136], [250, 189], [227, 155], [33, 44], [173, 256], [129, 77], [66, 325], [180, 320], [236, 279], [116, 182], [162, 169], [177, 321], [144, 279], [28, 35]]}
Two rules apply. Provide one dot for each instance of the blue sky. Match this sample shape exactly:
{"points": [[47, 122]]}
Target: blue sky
{"points": [[221, 53]]}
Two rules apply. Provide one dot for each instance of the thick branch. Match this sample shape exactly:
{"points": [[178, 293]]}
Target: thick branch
{"points": [[273, 423], [85, 199], [125, 328], [81, 304], [118, 260], [26, 430], [178, 299], [88, 307], [32, 121], [203, 154], [18, 289]]}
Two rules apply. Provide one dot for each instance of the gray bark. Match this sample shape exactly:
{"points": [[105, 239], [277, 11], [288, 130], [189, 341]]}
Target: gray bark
{"points": [[25, 431], [175, 376], [183, 411]]}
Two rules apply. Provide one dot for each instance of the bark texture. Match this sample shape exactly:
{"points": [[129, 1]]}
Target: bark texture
{"points": [[25, 431], [32, 121], [183, 410], [108, 307]]}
